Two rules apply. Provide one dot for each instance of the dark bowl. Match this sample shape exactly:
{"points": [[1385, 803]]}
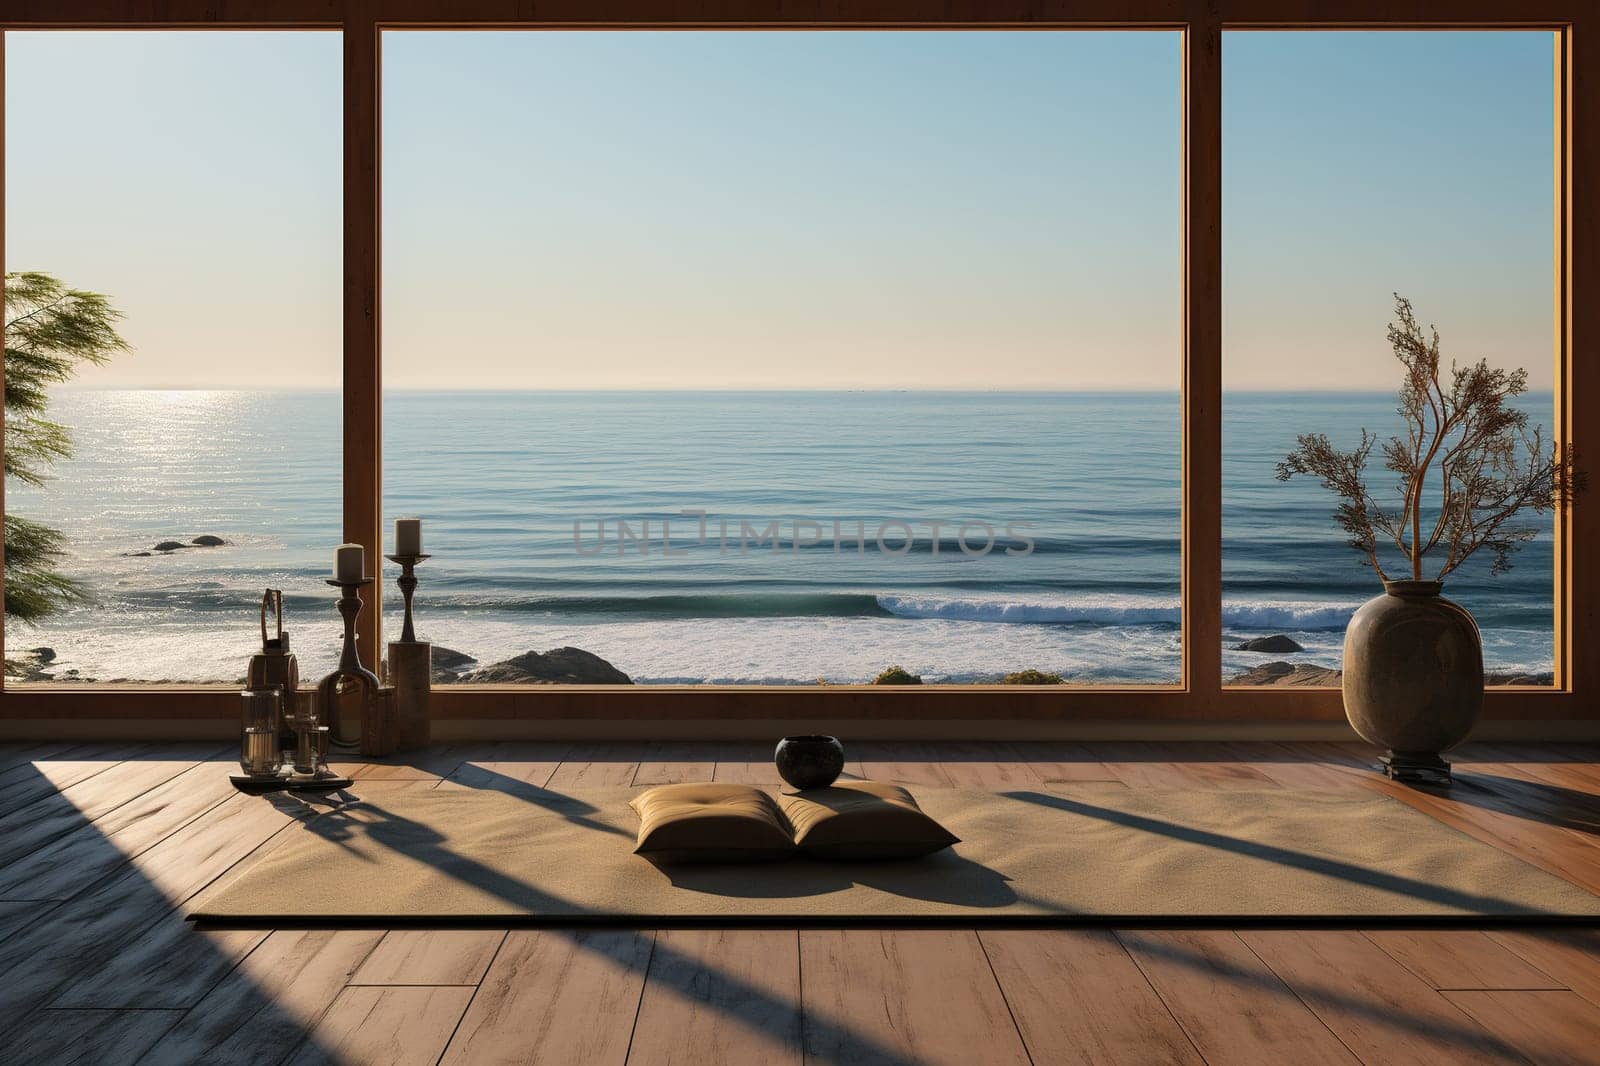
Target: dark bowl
{"points": [[809, 762]]}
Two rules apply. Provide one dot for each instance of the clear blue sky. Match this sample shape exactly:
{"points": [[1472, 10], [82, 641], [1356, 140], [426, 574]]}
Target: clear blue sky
{"points": [[786, 209]]}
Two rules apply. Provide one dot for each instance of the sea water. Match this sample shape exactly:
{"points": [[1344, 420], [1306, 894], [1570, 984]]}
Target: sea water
{"points": [[777, 537]]}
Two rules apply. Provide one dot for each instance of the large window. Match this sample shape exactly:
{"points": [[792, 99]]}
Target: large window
{"points": [[788, 357], [1358, 166], [747, 365], [191, 180]]}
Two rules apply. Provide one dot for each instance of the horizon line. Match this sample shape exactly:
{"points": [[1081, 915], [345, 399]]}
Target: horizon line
{"points": [[1050, 390]]}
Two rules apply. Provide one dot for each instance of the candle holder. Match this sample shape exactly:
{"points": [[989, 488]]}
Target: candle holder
{"points": [[375, 737], [408, 585], [410, 668], [303, 767]]}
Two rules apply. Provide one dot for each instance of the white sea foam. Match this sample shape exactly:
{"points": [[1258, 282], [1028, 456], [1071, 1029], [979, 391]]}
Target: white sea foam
{"points": [[724, 650], [1119, 610]]}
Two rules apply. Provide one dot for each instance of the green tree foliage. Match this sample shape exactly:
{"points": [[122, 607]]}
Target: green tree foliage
{"points": [[50, 331]]}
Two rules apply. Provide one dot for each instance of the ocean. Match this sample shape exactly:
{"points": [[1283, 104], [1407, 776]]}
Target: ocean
{"points": [[724, 537]]}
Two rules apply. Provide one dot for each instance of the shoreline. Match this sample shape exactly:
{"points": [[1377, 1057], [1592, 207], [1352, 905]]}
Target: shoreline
{"points": [[572, 665]]}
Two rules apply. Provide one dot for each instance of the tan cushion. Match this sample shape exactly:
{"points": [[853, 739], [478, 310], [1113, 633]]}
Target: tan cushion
{"points": [[710, 823], [863, 820]]}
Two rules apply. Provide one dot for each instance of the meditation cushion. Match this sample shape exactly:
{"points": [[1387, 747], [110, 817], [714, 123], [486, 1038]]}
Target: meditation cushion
{"points": [[863, 820], [710, 823]]}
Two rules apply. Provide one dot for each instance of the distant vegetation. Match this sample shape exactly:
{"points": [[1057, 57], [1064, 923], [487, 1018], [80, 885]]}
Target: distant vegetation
{"points": [[897, 676], [1031, 676]]}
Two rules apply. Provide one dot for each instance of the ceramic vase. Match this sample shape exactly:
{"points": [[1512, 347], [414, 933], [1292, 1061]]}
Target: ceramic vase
{"points": [[1413, 677], [809, 761]]}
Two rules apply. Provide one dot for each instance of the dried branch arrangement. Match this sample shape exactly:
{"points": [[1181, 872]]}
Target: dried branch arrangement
{"points": [[1467, 458]]}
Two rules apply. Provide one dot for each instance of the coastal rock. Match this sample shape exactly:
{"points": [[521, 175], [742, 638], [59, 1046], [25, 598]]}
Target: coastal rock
{"points": [[207, 540], [449, 665], [30, 665], [558, 666], [170, 546], [1279, 672], [1277, 644], [449, 659], [1497, 677]]}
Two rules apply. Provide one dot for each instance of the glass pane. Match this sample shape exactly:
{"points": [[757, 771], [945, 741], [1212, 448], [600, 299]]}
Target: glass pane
{"points": [[192, 179], [1359, 166], [921, 287]]}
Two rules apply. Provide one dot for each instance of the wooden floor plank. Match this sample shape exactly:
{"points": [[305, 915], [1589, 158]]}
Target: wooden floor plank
{"points": [[124, 846], [387, 1026], [1488, 817], [167, 965], [1567, 766], [1549, 1028], [87, 933], [675, 763], [1231, 1005], [1376, 1007], [902, 996], [903, 763], [528, 764], [556, 996], [598, 766], [1570, 956], [720, 996], [265, 1007], [747, 764], [985, 765], [14, 914], [27, 753], [1078, 998], [431, 957], [1219, 763], [1460, 958], [430, 764], [58, 814], [1317, 767], [79, 859], [22, 785], [1178, 766], [98, 1037], [1062, 762]]}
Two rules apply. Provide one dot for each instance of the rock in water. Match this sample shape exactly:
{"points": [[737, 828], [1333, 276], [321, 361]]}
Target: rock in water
{"points": [[30, 665], [1277, 644], [170, 545], [449, 659], [1503, 677], [1282, 673], [558, 666], [207, 540], [449, 665]]}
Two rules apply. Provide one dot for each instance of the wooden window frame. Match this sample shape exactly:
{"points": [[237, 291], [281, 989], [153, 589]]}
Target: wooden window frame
{"points": [[1201, 697]]}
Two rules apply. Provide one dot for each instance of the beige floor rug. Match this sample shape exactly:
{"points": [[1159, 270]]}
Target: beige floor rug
{"points": [[1055, 852]]}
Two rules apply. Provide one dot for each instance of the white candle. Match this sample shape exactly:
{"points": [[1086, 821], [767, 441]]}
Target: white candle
{"points": [[349, 563], [408, 536]]}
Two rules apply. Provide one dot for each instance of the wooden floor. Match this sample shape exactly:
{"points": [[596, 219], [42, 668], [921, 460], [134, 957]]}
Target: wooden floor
{"points": [[100, 845]]}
